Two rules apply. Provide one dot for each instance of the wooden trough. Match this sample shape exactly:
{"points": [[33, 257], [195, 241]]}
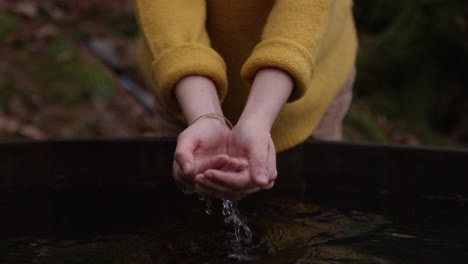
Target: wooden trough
{"points": [[48, 185]]}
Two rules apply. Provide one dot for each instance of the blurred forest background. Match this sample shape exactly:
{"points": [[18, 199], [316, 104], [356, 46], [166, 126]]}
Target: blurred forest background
{"points": [[411, 86]]}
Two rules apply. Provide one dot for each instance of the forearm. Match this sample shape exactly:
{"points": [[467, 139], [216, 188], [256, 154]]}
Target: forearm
{"points": [[269, 93], [197, 96], [293, 46], [175, 35]]}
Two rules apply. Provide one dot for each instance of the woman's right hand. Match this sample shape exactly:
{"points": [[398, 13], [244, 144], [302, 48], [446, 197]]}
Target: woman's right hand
{"points": [[200, 147], [252, 142], [251, 139]]}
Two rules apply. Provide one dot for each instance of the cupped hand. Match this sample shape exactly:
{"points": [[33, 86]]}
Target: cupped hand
{"points": [[247, 141], [200, 147]]}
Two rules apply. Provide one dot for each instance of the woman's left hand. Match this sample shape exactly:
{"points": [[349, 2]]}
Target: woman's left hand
{"points": [[200, 147]]}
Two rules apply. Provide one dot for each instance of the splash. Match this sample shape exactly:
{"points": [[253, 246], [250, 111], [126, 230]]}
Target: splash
{"points": [[242, 236], [209, 204], [241, 239]]}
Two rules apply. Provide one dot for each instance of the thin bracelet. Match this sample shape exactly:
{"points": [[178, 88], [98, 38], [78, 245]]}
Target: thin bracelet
{"points": [[214, 115]]}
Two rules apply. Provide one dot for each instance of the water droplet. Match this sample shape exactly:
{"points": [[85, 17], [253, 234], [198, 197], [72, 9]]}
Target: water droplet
{"points": [[201, 197], [209, 206], [242, 236]]}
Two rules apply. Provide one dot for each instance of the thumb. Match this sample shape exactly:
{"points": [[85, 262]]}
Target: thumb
{"points": [[259, 164], [186, 145]]}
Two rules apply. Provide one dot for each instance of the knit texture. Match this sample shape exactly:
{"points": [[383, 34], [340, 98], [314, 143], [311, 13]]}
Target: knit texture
{"points": [[313, 40]]}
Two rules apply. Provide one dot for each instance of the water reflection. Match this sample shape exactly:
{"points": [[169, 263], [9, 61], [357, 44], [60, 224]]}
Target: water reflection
{"points": [[284, 231]]}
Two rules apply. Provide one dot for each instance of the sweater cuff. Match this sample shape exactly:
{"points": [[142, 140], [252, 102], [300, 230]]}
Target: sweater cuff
{"points": [[183, 60], [285, 55]]}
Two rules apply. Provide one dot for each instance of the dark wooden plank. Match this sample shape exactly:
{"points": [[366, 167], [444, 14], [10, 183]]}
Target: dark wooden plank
{"points": [[25, 162], [109, 185], [387, 168], [333, 165], [112, 161]]}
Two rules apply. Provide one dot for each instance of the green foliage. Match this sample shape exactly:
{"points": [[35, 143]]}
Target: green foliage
{"points": [[123, 25], [68, 80], [8, 25], [95, 82], [61, 49], [413, 54], [365, 125]]}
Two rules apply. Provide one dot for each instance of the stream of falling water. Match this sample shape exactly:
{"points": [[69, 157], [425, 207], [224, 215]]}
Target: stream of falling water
{"points": [[241, 239], [242, 236]]}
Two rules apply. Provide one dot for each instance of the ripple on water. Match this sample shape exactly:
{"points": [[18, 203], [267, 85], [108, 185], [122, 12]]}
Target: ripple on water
{"points": [[278, 231]]}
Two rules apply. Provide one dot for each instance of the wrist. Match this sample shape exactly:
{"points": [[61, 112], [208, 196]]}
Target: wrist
{"points": [[256, 121], [253, 123], [197, 96], [269, 92], [213, 116]]}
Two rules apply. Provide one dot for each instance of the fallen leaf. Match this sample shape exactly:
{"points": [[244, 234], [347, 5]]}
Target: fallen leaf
{"points": [[53, 11], [46, 31], [8, 125], [30, 132], [27, 9], [11, 38]]}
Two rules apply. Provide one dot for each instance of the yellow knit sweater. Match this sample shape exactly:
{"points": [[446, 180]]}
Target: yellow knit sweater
{"points": [[313, 40]]}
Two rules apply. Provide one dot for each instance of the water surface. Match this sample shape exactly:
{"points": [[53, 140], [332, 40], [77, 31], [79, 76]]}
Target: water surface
{"points": [[284, 231]]}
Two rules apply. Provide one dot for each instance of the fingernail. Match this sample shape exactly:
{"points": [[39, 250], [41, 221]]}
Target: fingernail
{"points": [[263, 178], [186, 167]]}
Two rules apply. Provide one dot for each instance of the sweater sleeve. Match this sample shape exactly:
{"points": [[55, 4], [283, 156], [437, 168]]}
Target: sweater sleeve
{"points": [[291, 41], [175, 33]]}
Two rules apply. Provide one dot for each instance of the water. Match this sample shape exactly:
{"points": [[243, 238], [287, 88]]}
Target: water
{"points": [[281, 230], [241, 239]]}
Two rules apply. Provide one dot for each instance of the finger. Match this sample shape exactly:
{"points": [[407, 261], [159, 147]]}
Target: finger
{"points": [[259, 165], [269, 186], [186, 145], [273, 173], [234, 180], [183, 184], [211, 162], [235, 164], [180, 176], [243, 164], [231, 165], [201, 180], [203, 189], [219, 191]]}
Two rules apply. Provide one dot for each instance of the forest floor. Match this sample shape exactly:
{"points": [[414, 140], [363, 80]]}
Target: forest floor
{"points": [[52, 86]]}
